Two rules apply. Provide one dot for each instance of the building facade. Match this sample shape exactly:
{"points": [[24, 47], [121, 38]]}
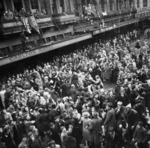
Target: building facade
{"points": [[59, 20], [53, 7]]}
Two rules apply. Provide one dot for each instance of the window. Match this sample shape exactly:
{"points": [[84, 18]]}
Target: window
{"points": [[131, 3], [78, 7], [103, 5], [8, 5], [84, 2], [54, 7], [119, 5], [125, 4], [43, 6], [18, 5], [34, 4], [68, 5], [1, 7], [111, 5], [144, 3], [138, 3], [27, 5], [90, 1], [58, 6], [62, 6]]}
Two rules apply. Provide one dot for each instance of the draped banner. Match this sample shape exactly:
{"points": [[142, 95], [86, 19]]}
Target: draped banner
{"points": [[26, 24], [33, 24], [30, 22]]}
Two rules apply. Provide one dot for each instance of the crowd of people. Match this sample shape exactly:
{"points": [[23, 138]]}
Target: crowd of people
{"points": [[14, 14], [64, 102]]}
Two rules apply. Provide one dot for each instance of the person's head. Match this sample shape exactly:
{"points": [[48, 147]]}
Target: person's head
{"points": [[139, 125], [64, 130], [70, 127], [97, 77], [119, 104], [111, 130], [52, 125], [96, 96], [24, 140], [52, 144], [3, 87], [59, 101], [108, 106], [73, 86], [95, 114], [148, 82], [31, 136], [85, 114]]}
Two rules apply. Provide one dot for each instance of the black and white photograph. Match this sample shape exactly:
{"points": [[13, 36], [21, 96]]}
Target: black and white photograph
{"points": [[74, 73]]}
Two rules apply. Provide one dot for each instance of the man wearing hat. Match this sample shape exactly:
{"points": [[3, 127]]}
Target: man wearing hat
{"points": [[112, 138], [110, 120], [24, 143], [86, 127], [119, 112], [70, 142], [96, 131], [52, 144], [139, 135]]}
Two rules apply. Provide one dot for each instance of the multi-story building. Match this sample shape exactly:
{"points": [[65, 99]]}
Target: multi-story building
{"points": [[60, 21]]}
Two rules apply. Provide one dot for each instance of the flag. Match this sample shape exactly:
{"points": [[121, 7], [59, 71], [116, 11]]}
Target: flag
{"points": [[33, 24], [26, 24]]}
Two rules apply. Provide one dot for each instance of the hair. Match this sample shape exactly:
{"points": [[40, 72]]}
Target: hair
{"points": [[109, 104], [51, 142], [140, 123]]}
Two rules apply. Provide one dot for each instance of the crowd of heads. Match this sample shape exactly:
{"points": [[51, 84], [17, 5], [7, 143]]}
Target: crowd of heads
{"points": [[58, 103], [14, 14]]}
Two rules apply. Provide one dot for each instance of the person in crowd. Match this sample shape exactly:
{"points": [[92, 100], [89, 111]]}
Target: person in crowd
{"points": [[52, 144], [24, 40], [33, 141], [112, 138], [86, 127], [110, 120], [24, 143], [139, 135], [96, 129], [70, 141]]}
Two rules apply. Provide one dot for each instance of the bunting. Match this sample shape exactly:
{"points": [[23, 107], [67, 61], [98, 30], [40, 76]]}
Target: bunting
{"points": [[26, 24], [30, 22], [33, 24]]}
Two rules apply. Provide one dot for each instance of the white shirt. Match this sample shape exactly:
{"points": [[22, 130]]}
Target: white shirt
{"points": [[2, 96]]}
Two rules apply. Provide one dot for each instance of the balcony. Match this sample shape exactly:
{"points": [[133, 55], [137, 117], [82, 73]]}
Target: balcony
{"points": [[20, 55], [143, 13], [65, 18], [16, 26]]}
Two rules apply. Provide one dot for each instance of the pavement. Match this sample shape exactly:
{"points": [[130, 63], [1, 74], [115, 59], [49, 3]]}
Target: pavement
{"points": [[109, 86]]}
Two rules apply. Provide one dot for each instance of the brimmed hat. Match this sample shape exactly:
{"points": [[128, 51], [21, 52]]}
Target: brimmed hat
{"points": [[51, 142], [140, 123], [86, 114], [119, 103]]}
